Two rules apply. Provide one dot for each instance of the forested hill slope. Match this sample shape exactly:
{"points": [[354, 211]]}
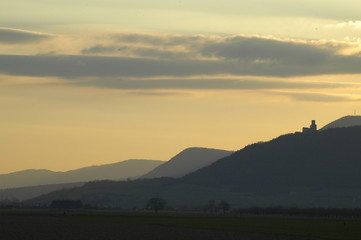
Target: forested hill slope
{"points": [[320, 169], [329, 158]]}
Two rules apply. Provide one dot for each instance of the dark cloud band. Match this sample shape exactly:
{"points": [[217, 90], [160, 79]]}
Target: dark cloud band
{"points": [[206, 84], [316, 97], [99, 66], [15, 36]]}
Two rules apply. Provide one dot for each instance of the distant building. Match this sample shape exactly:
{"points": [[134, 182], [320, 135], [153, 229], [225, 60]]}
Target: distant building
{"points": [[312, 128]]}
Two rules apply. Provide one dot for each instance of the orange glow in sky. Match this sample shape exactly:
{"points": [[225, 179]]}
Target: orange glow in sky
{"points": [[94, 82]]}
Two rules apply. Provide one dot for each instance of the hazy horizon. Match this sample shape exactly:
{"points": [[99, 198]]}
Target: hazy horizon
{"points": [[89, 83], [83, 167]]}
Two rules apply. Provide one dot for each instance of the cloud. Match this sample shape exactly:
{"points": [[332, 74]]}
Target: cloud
{"points": [[100, 49], [145, 52], [263, 56], [101, 66], [255, 49], [161, 54], [160, 46], [214, 55], [163, 40], [16, 36], [158, 93], [206, 84], [348, 24], [317, 97]]}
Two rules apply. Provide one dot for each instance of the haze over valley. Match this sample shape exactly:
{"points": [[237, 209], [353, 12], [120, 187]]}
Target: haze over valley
{"points": [[304, 169], [31, 183]]}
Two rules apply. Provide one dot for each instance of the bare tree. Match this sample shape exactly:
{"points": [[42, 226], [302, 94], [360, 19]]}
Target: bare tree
{"points": [[156, 204]]}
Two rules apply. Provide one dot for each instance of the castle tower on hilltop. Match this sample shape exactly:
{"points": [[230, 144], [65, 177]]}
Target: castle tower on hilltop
{"points": [[312, 128]]}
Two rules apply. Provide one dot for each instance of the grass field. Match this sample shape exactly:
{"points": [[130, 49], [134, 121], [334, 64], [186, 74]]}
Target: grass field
{"points": [[305, 228], [336, 229]]}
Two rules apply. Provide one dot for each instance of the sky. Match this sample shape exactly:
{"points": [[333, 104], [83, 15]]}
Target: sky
{"points": [[90, 82]]}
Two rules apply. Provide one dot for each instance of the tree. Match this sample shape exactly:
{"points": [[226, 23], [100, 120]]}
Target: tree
{"points": [[156, 204], [66, 204], [9, 203], [224, 206]]}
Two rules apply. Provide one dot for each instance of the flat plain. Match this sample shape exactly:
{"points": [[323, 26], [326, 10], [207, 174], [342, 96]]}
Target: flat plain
{"points": [[78, 226]]}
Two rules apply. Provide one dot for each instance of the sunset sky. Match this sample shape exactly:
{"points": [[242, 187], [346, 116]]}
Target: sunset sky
{"points": [[89, 82]]}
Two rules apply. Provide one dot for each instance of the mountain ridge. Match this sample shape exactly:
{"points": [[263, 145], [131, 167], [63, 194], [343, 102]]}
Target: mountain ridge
{"points": [[319, 169], [346, 121], [187, 161], [116, 171], [24, 193]]}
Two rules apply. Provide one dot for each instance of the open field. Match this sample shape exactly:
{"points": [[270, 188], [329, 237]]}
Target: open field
{"points": [[47, 225]]}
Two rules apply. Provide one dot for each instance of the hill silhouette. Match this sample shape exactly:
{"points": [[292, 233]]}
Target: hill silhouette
{"points": [[325, 159], [114, 171], [187, 161], [347, 121], [320, 169], [24, 193]]}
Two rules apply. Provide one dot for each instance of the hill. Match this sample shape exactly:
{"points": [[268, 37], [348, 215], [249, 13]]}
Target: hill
{"points": [[187, 161], [320, 169], [347, 121], [325, 158], [115, 171], [24, 193]]}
